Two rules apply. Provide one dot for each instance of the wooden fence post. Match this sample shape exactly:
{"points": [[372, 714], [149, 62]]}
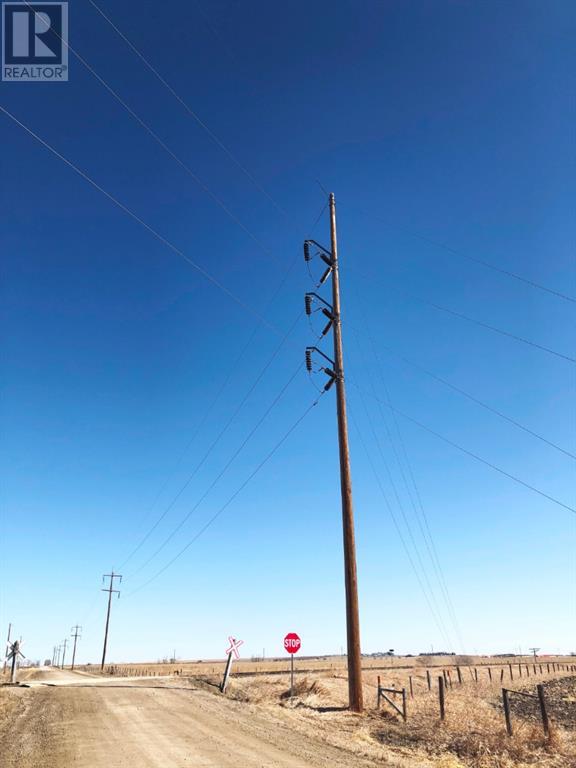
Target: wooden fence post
{"points": [[411, 688], [404, 703], [441, 697], [475, 675], [511, 675], [502, 674], [506, 705], [428, 679], [490, 674], [544, 713], [459, 675], [378, 702]]}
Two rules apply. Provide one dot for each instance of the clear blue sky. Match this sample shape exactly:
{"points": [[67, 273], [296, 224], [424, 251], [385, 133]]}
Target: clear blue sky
{"points": [[431, 121]]}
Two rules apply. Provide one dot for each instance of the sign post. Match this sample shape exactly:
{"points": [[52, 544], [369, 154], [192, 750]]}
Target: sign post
{"points": [[231, 652], [13, 654], [292, 644]]}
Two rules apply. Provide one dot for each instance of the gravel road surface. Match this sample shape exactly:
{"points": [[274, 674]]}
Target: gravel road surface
{"points": [[69, 720]]}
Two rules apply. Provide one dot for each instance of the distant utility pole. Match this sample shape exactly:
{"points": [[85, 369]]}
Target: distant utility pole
{"points": [[75, 634], [54, 656], [336, 376], [64, 645], [58, 649], [7, 643], [535, 652], [109, 589]]}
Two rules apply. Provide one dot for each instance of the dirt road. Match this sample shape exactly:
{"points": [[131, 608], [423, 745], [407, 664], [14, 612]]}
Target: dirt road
{"points": [[66, 720]]}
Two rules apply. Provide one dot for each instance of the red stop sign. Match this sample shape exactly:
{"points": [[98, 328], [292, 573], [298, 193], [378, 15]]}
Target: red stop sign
{"points": [[292, 642]]}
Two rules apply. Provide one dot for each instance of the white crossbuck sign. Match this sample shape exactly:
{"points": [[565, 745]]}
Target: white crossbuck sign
{"points": [[234, 645]]}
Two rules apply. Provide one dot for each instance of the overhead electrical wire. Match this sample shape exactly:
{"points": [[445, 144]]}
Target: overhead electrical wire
{"points": [[140, 221], [224, 506], [166, 148], [467, 256], [476, 400], [475, 456], [263, 191], [214, 443], [222, 472], [425, 529], [419, 511], [187, 107], [411, 536], [462, 316], [219, 393], [437, 619]]}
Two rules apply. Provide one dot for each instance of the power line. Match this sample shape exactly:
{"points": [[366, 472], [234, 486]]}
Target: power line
{"points": [[475, 259], [209, 451], [140, 221], [426, 531], [220, 391], [187, 107], [165, 147], [428, 539], [231, 498], [480, 323], [437, 620], [222, 471], [479, 402], [476, 456]]}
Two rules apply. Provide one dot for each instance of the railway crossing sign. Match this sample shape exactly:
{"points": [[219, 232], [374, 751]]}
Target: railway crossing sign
{"points": [[292, 642], [13, 653], [234, 645], [232, 653]]}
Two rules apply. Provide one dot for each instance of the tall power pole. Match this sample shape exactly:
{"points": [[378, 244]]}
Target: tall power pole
{"points": [[75, 634], [352, 613], [336, 376], [7, 643], [64, 645], [109, 589]]}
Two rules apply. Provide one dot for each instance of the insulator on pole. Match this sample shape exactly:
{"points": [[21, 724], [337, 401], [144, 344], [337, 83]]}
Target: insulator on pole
{"points": [[326, 328], [325, 275], [307, 256], [308, 303], [329, 383], [309, 361]]}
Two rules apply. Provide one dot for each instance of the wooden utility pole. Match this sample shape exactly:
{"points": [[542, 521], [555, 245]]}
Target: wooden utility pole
{"points": [[109, 589], [7, 643], [64, 646], [75, 635], [352, 613]]}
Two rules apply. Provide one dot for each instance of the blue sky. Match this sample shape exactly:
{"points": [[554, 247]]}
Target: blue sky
{"points": [[446, 123]]}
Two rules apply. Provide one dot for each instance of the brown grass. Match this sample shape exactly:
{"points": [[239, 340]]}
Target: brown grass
{"points": [[472, 736]]}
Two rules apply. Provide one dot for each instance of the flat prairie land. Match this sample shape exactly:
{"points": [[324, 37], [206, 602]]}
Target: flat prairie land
{"points": [[85, 720]]}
